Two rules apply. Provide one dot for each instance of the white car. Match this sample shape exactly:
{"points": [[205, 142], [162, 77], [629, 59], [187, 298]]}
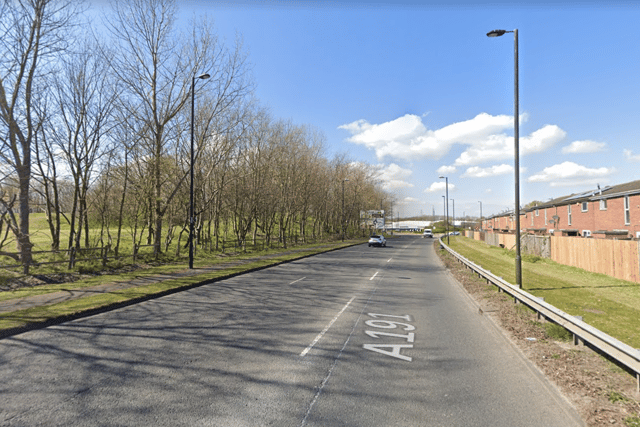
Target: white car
{"points": [[377, 240], [427, 233]]}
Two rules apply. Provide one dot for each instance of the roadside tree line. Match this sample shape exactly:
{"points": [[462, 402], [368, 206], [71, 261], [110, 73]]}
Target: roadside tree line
{"points": [[95, 132]]}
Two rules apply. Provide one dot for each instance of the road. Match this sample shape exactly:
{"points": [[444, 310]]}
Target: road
{"points": [[356, 337]]}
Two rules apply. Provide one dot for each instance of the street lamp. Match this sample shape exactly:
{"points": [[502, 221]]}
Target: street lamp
{"points": [[453, 216], [516, 130], [447, 204], [192, 220], [343, 181], [479, 201]]}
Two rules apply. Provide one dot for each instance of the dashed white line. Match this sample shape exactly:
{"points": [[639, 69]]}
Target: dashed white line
{"points": [[374, 276], [335, 362], [321, 334], [296, 281], [389, 260]]}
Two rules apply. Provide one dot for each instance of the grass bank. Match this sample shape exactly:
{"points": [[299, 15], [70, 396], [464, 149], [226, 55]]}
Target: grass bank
{"points": [[609, 304]]}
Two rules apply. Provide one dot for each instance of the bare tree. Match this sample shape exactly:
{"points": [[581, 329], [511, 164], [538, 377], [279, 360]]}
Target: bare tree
{"points": [[84, 98], [32, 33], [157, 67], [46, 171]]}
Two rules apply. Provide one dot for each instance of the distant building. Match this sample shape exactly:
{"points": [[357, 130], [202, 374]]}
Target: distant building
{"points": [[611, 212]]}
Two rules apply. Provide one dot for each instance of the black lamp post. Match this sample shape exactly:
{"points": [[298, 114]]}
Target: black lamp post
{"points": [[516, 129], [447, 204], [192, 220]]}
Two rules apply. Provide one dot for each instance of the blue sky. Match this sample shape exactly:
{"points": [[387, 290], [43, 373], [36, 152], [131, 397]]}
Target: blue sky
{"points": [[418, 90]]}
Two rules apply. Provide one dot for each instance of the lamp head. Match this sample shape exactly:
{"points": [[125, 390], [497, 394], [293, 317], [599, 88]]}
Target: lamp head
{"points": [[496, 33], [203, 76]]}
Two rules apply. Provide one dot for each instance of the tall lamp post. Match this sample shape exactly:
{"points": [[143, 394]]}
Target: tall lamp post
{"points": [[447, 204], [192, 220], [453, 214], [516, 129], [343, 181], [479, 201]]}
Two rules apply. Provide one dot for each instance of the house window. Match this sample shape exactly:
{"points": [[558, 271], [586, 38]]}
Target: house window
{"points": [[545, 217], [569, 214], [603, 205], [627, 213], [537, 212], [585, 206]]}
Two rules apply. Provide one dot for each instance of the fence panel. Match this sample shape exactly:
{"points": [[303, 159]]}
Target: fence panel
{"points": [[536, 245], [615, 258], [492, 239]]}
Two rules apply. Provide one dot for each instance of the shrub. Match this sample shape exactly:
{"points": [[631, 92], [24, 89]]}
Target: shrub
{"points": [[557, 332]]}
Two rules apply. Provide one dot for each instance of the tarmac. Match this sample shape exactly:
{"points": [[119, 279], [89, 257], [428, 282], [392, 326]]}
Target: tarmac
{"points": [[65, 295]]}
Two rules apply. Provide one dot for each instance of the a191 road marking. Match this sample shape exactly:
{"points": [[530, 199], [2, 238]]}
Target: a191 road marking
{"points": [[392, 350]]}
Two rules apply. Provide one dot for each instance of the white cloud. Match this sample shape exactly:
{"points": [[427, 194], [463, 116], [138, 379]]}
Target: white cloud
{"points": [[630, 156], [499, 147], [394, 177], [542, 139], [409, 201], [478, 172], [402, 138], [569, 173], [584, 147], [439, 186], [446, 170], [407, 137]]}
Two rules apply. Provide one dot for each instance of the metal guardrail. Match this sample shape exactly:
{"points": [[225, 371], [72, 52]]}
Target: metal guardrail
{"points": [[617, 350]]}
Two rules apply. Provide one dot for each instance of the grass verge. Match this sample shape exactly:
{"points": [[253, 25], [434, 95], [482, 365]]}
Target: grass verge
{"points": [[602, 392], [609, 304]]}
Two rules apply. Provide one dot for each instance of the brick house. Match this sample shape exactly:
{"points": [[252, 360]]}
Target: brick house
{"points": [[607, 213]]}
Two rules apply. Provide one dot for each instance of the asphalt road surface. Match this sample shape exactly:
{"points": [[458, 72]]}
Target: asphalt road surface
{"points": [[357, 337]]}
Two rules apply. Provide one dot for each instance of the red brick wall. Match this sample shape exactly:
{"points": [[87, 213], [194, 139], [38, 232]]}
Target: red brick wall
{"points": [[611, 218]]}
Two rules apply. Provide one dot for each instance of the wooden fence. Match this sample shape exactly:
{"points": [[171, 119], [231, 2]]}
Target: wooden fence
{"points": [[615, 258]]}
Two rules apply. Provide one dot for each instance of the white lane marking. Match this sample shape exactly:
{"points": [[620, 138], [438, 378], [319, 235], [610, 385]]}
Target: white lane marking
{"points": [[324, 331], [335, 362], [374, 276], [296, 281], [389, 260]]}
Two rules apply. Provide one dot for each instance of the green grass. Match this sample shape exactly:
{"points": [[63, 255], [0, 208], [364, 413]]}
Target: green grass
{"points": [[632, 422], [609, 304], [557, 332]]}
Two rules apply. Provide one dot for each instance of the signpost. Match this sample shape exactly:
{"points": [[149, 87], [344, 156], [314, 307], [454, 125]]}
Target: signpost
{"points": [[372, 219]]}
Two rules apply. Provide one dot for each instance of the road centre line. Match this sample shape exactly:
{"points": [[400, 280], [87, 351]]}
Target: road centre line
{"points": [[321, 334], [296, 281], [335, 361], [374, 276], [389, 260]]}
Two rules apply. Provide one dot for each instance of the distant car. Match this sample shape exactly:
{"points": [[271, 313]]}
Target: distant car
{"points": [[454, 233], [377, 240], [427, 233]]}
